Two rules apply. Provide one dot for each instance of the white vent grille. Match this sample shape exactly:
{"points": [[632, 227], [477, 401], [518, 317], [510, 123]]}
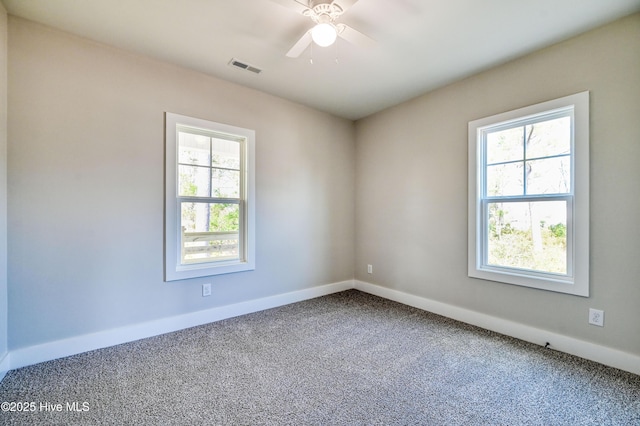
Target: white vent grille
{"points": [[244, 66]]}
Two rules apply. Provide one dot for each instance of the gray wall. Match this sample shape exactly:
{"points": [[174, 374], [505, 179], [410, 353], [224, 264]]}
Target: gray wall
{"points": [[85, 180], [86, 158], [3, 182], [411, 204]]}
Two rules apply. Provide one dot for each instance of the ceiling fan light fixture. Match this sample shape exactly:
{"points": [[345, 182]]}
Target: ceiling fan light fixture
{"points": [[324, 34]]}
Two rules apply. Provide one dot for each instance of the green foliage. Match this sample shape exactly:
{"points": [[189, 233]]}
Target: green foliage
{"points": [[515, 248], [497, 227], [559, 230], [224, 217], [191, 189]]}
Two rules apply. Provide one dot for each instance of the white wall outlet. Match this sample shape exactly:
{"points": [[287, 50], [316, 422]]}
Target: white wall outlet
{"points": [[369, 269], [206, 289], [596, 317]]}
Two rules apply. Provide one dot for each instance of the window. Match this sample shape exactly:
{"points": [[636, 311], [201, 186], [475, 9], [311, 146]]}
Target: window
{"points": [[529, 196], [209, 216]]}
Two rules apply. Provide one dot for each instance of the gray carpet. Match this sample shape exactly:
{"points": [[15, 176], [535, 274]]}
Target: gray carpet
{"points": [[343, 359]]}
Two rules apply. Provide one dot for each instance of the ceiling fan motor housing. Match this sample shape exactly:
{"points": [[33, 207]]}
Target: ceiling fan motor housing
{"points": [[323, 11]]}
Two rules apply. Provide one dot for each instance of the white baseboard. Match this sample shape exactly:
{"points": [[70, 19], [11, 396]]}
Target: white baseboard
{"points": [[102, 339], [4, 365], [75, 345], [591, 351]]}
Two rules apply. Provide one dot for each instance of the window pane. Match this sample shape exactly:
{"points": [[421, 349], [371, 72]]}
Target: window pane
{"points": [[505, 145], [548, 138], [193, 149], [194, 181], [210, 232], [550, 176], [210, 217], [225, 154], [528, 235], [225, 183], [505, 179]]}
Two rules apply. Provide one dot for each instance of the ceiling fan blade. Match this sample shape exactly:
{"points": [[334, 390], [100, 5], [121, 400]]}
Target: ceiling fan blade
{"points": [[345, 4], [296, 5], [300, 45], [354, 37]]}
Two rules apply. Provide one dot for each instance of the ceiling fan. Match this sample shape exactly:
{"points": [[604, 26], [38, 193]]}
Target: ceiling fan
{"points": [[324, 13]]}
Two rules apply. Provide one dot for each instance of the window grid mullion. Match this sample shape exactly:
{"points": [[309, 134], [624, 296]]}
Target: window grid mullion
{"points": [[210, 200], [524, 160], [501, 163], [210, 185], [529, 198]]}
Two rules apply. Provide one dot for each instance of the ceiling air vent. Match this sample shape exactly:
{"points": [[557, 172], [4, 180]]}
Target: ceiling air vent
{"points": [[244, 66]]}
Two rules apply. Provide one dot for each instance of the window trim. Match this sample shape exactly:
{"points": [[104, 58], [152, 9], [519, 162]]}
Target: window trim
{"points": [[174, 269], [576, 282]]}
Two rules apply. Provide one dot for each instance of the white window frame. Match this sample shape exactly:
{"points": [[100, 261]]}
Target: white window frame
{"points": [[576, 281], [174, 268]]}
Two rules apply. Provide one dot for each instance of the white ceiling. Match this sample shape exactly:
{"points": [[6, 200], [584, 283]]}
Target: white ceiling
{"points": [[420, 44]]}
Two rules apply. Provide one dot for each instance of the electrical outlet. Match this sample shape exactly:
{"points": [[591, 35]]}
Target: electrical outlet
{"points": [[206, 289], [596, 317], [369, 269]]}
